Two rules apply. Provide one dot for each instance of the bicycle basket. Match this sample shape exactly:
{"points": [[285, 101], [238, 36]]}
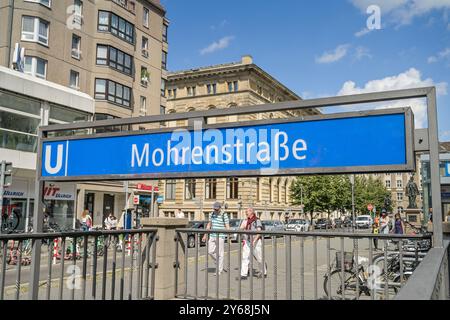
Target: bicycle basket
{"points": [[348, 260]]}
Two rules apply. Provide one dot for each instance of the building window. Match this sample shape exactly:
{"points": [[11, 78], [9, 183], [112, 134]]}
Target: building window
{"points": [[400, 210], [76, 47], [162, 110], [399, 184], [164, 32], [232, 188], [233, 86], [163, 87], [164, 60], [399, 196], [191, 91], [143, 109], [286, 192], [113, 92], [189, 191], [211, 88], [258, 189], [172, 93], [77, 13], [35, 29], [110, 22], [388, 183], [74, 79], [270, 190], [211, 188], [144, 76], [171, 186], [46, 3], [146, 17], [144, 47], [114, 58], [36, 67]]}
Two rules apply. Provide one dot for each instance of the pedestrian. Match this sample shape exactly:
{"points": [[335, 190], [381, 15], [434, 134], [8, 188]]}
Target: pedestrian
{"points": [[180, 214], [111, 222], [399, 226], [252, 223], [217, 220], [384, 223], [376, 229], [86, 221]]}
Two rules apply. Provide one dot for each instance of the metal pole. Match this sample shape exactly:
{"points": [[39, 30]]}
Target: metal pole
{"points": [[152, 205], [434, 169], [352, 181], [38, 224], [2, 181]]}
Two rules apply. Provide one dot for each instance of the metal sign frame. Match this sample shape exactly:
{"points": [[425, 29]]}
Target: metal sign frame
{"points": [[433, 146], [409, 144]]}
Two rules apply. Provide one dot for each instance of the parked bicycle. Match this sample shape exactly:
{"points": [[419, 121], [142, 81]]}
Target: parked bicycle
{"points": [[345, 280], [10, 219]]}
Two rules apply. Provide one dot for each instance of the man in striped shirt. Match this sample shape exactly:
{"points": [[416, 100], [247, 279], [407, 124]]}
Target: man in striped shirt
{"points": [[217, 220]]}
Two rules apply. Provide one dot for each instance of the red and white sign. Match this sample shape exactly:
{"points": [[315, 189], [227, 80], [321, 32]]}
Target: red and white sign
{"points": [[369, 207], [135, 199], [142, 186]]}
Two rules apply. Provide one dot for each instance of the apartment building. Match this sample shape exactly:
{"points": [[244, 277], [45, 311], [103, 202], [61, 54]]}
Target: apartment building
{"points": [[113, 50], [231, 85]]}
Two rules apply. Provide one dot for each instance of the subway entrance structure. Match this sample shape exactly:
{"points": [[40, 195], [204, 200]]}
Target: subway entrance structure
{"points": [[373, 141]]}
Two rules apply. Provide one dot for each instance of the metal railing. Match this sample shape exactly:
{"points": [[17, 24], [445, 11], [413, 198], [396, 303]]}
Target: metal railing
{"points": [[297, 265], [116, 264], [430, 280]]}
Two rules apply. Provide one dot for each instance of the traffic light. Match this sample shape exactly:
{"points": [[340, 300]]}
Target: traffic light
{"points": [[6, 172]]}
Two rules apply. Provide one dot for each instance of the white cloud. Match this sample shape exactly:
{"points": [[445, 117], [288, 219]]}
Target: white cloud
{"points": [[444, 135], [442, 55], [362, 52], [362, 32], [335, 55], [411, 78], [217, 45], [401, 12]]}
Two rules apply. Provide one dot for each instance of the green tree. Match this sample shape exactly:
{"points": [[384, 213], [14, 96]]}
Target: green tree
{"points": [[328, 193]]}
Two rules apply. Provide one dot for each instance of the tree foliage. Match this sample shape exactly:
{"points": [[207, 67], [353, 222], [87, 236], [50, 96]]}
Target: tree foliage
{"points": [[328, 193]]}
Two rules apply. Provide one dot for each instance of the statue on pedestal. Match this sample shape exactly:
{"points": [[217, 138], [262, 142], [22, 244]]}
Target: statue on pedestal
{"points": [[412, 192]]}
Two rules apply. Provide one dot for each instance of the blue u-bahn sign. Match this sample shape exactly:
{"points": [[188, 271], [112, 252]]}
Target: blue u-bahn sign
{"points": [[373, 141]]}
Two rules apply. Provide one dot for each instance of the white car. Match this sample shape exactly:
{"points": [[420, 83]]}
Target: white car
{"points": [[297, 225], [363, 222]]}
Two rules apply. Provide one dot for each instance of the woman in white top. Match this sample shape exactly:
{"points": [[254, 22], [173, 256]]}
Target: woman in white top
{"points": [[86, 221]]}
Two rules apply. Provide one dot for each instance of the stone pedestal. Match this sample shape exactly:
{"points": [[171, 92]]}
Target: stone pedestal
{"points": [[413, 216], [165, 256]]}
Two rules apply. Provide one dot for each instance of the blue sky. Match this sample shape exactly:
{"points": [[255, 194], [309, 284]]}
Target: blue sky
{"points": [[322, 48]]}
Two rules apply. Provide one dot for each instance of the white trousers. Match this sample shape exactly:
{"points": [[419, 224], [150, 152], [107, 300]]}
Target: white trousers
{"points": [[212, 245], [257, 253]]}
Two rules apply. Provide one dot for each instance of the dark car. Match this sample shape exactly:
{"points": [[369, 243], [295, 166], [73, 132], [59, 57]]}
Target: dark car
{"points": [[338, 223], [348, 222], [323, 224], [191, 236]]}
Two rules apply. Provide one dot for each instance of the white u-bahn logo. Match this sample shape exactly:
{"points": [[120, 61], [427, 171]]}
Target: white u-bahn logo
{"points": [[49, 168]]}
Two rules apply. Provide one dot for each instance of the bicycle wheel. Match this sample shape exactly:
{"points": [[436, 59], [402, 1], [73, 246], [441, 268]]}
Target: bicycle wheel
{"points": [[349, 288], [10, 222]]}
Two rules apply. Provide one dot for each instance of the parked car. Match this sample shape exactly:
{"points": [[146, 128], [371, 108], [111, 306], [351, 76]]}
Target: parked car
{"points": [[297, 225], [323, 224], [348, 222], [363, 222], [272, 226], [338, 223], [191, 236]]}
